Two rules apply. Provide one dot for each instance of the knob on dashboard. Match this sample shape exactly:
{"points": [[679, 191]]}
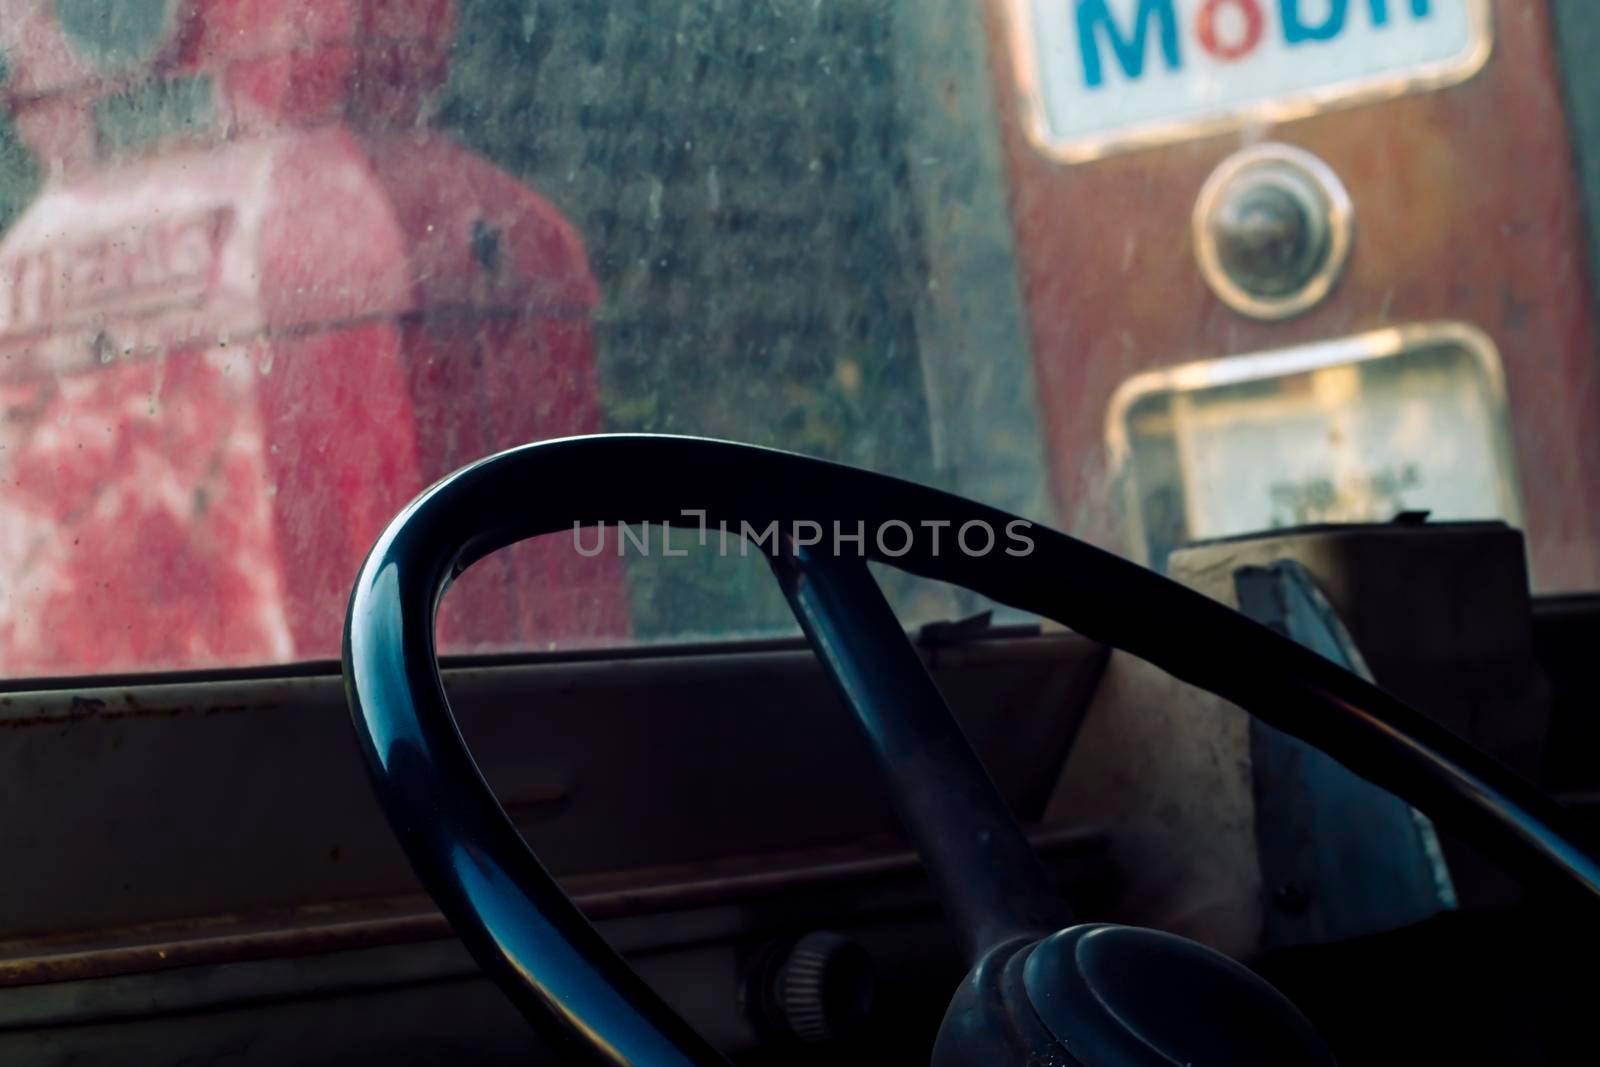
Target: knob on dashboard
{"points": [[814, 989]]}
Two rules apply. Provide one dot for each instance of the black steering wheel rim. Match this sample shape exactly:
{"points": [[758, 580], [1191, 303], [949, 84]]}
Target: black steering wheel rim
{"points": [[510, 912]]}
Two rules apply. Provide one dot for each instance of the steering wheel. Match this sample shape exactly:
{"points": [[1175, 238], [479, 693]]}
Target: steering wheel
{"points": [[1040, 990]]}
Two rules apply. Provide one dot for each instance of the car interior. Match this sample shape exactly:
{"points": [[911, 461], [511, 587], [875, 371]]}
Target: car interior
{"points": [[667, 532]]}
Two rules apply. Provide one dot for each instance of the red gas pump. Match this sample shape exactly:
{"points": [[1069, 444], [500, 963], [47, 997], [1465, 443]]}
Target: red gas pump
{"points": [[256, 307]]}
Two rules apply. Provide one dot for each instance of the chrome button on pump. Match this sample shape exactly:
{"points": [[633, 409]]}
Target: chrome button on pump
{"points": [[1272, 230]]}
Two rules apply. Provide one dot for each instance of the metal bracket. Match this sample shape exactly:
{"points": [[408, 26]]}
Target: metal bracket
{"points": [[1340, 857]]}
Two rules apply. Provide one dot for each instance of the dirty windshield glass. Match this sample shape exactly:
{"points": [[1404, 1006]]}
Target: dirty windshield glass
{"points": [[1150, 271]]}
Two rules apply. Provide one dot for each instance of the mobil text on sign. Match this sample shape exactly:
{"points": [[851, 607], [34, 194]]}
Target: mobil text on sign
{"points": [[1103, 74]]}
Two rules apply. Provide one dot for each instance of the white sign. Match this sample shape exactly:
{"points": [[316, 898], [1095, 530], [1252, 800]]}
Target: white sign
{"points": [[1099, 76]]}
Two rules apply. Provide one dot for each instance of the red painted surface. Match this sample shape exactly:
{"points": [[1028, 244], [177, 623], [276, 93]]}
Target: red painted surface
{"points": [[1467, 209], [228, 358]]}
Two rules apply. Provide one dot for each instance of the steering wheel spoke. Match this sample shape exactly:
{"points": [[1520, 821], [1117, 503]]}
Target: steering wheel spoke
{"points": [[982, 867]]}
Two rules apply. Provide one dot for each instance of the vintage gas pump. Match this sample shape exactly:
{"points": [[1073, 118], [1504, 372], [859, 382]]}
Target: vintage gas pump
{"points": [[256, 306], [1300, 261], [1295, 270]]}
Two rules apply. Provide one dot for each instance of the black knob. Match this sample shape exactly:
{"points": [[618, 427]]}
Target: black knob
{"points": [[1119, 996], [1271, 231], [815, 989]]}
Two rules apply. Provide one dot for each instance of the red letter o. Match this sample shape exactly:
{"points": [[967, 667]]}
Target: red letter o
{"points": [[1206, 29]]}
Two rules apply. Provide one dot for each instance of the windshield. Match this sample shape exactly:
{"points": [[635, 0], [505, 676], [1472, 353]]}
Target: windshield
{"points": [[1150, 271]]}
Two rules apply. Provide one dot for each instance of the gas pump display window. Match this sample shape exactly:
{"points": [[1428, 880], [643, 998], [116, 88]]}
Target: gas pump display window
{"points": [[1390, 423], [269, 269]]}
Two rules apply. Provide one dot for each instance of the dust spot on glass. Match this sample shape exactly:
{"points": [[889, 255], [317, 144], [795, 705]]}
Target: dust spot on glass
{"points": [[653, 219], [848, 374], [486, 246], [713, 189]]}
